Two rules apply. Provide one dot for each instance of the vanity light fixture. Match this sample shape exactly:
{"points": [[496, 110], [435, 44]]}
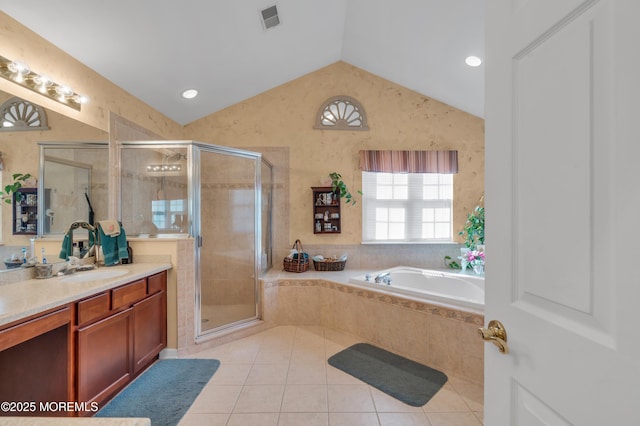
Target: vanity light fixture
{"points": [[163, 168], [473, 61], [20, 73]]}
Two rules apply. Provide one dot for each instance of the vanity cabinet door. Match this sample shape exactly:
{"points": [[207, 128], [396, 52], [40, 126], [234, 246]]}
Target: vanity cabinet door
{"points": [[149, 329], [104, 356]]}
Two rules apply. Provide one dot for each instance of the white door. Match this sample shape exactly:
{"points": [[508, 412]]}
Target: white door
{"points": [[563, 211]]}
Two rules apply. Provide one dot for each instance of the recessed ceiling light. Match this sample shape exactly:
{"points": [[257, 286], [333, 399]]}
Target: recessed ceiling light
{"points": [[190, 93], [473, 61]]}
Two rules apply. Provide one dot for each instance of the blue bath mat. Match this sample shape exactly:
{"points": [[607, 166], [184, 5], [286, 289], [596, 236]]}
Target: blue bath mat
{"points": [[406, 380], [164, 392]]}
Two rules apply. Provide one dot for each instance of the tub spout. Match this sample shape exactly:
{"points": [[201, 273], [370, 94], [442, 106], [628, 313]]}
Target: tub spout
{"points": [[384, 277]]}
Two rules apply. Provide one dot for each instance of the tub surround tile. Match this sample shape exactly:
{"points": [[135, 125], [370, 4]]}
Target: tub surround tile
{"points": [[441, 337]]}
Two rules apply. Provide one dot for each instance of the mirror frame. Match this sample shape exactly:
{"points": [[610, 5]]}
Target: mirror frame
{"points": [[41, 185]]}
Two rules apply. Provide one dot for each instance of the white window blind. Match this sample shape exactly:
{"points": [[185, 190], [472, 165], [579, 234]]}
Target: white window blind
{"points": [[407, 207]]}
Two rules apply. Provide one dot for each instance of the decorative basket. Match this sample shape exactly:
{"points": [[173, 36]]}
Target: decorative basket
{"points": [[299, 262], [329, 265]]}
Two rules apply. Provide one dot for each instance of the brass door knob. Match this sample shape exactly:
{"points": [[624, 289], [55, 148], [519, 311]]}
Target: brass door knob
{"points": [[496, 334]]}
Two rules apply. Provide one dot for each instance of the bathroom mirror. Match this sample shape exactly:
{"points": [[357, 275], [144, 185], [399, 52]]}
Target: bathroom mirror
{"points": [[72, 184], [20, 152]]}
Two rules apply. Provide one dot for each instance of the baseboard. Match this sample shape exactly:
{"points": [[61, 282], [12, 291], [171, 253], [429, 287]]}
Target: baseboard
{"points": [[168, 353]]}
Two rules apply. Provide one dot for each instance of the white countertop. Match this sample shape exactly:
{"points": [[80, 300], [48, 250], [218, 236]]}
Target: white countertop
{"points": [[25, 298]]}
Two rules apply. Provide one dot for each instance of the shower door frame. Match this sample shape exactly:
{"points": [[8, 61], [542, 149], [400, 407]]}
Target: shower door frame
{"points": [[195, 151]]}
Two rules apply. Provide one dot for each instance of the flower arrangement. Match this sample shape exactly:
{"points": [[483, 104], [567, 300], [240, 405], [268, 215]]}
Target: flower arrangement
{"points": [[474, 257]]}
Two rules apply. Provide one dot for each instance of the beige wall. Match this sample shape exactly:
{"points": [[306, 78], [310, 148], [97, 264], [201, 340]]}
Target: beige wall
{"points": [[279, 121], [282, 117], [398, 119]]}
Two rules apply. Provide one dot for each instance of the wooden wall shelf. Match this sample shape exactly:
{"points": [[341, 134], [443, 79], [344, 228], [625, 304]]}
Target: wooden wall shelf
{"points": [[327, 214]]}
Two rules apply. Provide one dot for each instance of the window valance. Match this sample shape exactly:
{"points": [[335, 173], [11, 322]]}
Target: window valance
{"points": [[409, 161]]}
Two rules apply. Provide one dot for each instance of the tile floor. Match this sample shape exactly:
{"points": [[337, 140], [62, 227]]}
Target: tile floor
{"points": [[281, 377]]}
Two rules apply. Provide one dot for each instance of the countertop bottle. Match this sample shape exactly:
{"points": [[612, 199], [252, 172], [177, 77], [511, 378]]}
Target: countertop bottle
{"points": [[130, 255]]}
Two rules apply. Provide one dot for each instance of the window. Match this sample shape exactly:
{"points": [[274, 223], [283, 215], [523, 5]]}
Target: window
{"points": [[169, 215], [407, 207]]}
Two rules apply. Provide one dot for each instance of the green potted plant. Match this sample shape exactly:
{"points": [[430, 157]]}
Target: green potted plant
{"points": [[340, 187], [473, 231], [18, 180]]}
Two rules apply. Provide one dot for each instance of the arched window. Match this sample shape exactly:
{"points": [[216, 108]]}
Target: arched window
{"points": [[17, 114], [341, 113]]}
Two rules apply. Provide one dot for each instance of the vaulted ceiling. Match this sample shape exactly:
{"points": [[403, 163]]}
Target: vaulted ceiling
{"points": [[156, 49]]}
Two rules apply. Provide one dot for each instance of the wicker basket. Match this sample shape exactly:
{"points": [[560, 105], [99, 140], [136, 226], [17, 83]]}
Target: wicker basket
{"points": [[329, 265], [298, 264]]}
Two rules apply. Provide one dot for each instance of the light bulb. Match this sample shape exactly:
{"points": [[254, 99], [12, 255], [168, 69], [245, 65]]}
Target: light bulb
{"points": [[190, 93], [473, 61]]}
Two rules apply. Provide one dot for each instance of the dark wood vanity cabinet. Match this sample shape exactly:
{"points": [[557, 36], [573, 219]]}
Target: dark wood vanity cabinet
{"points": [[120, 332], [150, 329], [36, 363], [84, 351], [104, 357]]}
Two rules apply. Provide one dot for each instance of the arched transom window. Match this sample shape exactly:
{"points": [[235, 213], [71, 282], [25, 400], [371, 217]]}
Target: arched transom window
{"points": [[341, 113], [18, 114]]}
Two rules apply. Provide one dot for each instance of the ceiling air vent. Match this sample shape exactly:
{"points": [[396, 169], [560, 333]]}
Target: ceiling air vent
{"points": [[270, 17]]}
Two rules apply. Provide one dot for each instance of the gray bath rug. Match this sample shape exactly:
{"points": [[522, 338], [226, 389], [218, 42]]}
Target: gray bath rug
{"points": [[406, 380], [164, 392]]}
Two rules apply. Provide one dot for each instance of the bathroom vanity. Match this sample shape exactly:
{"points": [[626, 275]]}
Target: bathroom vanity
{"points": [[79, 339]]}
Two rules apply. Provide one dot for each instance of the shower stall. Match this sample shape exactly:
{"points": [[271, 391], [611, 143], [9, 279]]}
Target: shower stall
{"points": [[220, 196]]}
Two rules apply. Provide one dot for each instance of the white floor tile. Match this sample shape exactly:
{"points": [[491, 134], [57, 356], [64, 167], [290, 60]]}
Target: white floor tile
{"points": [[281, 377]]}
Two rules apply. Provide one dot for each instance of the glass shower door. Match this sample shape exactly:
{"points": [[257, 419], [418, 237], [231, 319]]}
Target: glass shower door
{"points": [[228, 237]]}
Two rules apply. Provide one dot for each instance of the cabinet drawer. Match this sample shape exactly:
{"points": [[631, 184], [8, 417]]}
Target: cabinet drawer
{"points": [[128, 294], [93, 308], [157, 282]]}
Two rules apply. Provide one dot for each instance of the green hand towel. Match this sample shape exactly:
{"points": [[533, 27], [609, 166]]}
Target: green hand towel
{"points": [[113, 248], [67, 246]]}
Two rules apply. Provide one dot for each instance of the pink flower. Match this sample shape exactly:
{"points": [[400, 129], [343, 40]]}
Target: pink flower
{"points": [[474, 256]]}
